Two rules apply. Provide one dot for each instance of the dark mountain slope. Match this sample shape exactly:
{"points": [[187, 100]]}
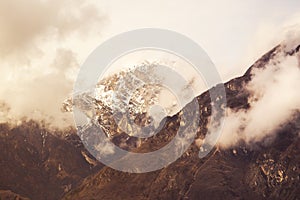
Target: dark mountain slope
{"points": [[36, 164]]}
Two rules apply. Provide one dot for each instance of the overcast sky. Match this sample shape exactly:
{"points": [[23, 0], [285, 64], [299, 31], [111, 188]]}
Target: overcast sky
{"points": [[234, 33]]}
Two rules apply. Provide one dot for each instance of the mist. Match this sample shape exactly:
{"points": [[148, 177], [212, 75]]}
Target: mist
{"points": [[274, 99], [38, 64]]}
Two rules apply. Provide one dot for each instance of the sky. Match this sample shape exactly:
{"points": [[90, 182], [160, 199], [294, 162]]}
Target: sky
{"points": [[234, 33], [43, 43]]}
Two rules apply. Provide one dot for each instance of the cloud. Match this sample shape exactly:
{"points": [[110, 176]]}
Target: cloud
{"points": [[38, 62], [271, 33], [22, 23], [274, 100], [40, 95]]}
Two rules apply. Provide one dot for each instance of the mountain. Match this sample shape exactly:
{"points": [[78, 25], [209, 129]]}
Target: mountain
{"points": [[243, 171], [38, 163]]}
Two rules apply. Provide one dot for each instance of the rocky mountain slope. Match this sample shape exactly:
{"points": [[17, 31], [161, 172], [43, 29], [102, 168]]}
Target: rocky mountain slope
{"points": [[37, 164], [241, 172]]}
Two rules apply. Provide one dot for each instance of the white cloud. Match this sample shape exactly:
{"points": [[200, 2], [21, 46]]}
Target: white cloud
{"points": [[38, 61], [274, 99]]}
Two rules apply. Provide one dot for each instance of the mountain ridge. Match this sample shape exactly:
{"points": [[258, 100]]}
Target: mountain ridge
{"points": [[192, 178], [62, 168]]}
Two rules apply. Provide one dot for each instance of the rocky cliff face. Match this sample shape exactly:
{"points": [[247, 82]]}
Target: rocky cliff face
{"points": [[36, 164]]}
